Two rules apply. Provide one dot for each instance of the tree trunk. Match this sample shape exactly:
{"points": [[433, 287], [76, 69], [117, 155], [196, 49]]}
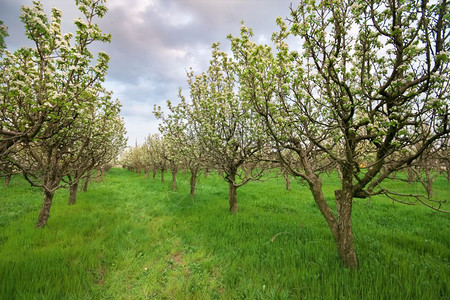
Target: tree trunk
{"points": [[7, 180], [346, 248], [154, 174], [86, 182], [411, 175], [232, 197], [339, 170], [174, 180], [147, 173], [429, 185], [447, 168], [193, 181], [73, 191], [288, 181], [44, 214], [162, 176], [428, 181], [342, 226]]}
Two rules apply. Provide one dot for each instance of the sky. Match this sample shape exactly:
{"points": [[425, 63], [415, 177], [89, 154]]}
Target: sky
{"points": [[154, 43]]}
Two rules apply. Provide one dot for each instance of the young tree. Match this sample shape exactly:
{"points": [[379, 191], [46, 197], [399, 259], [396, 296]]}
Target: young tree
{"points": [[149, 158], [136, 158], [371, 81], [229, 135], [181, 138], [156, 154], [428, 168]]}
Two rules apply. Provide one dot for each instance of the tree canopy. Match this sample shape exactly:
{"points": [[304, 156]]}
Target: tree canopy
{"points": [[56, 118]]}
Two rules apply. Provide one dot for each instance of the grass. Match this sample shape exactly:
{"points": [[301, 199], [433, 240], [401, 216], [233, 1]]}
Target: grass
{"points": [[130, 237]]}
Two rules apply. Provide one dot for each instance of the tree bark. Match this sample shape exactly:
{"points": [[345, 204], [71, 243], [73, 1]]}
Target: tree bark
{"points": [[162, 176], [174, 180], [342, 226], [447, 168], [7, 180], [193, 181], [154, 174], [345, 244], [147, 173], [315, 185], [288, 181], [429, 185], [338, 169], [86, 182], [232, 197], [411, 175], [44, 214], [73, 191]]}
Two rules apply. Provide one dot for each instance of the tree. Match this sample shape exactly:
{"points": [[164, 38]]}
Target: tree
{"points": [[136, 157], [149, 159], [48, 94], [229, 135], [156, 154], [371, 81], [429, 167], [6, 170], [101, 140], [182, 140]]}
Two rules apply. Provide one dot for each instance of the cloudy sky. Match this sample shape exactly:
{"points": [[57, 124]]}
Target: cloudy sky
{"points": [[154, 42]]}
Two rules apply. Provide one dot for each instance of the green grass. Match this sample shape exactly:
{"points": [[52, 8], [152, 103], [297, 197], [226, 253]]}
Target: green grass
{"points": [[130, 237]]}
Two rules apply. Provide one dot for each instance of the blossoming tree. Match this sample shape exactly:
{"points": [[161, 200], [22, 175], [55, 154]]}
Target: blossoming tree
{"points": [[368, 92], [49, 94]]}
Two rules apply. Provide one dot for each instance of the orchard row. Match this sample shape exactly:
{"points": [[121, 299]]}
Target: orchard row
{"points": [[58, 123], [361, 87]]}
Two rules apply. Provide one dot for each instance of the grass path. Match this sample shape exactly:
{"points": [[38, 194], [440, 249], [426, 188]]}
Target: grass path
{"points": [[130, 237]]}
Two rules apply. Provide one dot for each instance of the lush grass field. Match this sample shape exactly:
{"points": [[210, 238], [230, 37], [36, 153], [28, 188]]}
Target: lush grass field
{"points": [[130, 237]]}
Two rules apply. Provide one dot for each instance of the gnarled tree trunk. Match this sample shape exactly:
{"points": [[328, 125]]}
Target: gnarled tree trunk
{"points": [[411, 175], [73, 191], [193, 181], [232, 197], [7, 180], [86, 182], [344, 238], [341, 227], [44, 214], [447, 169], [174, 179], [287, 180]]}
